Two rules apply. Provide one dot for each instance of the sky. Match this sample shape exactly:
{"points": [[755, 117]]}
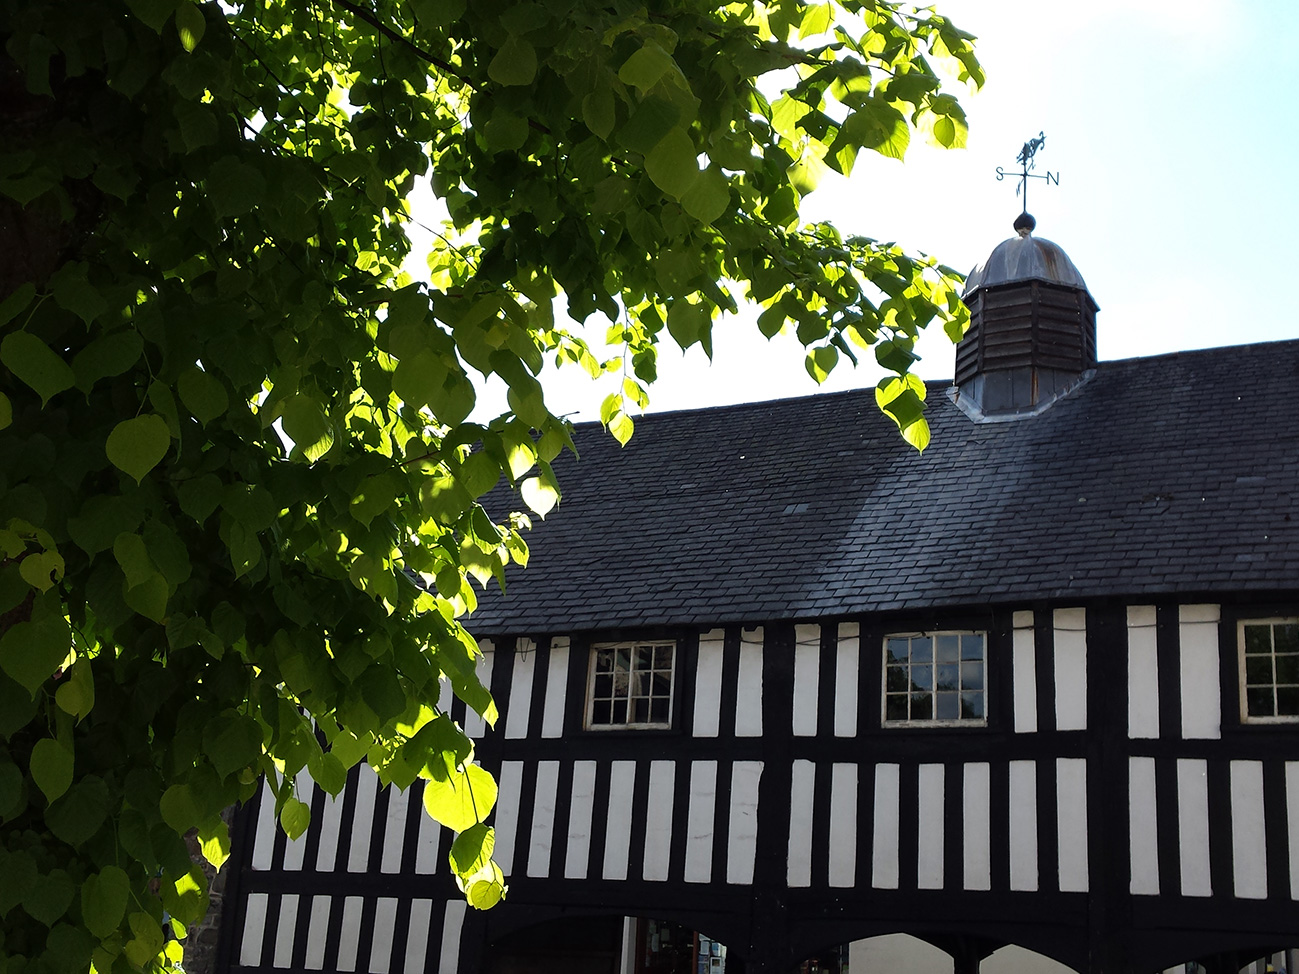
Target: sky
{"points": [[1172, 126]]}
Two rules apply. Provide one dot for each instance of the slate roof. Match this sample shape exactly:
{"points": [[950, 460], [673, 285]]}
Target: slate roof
{"points": [[1175, 473]]}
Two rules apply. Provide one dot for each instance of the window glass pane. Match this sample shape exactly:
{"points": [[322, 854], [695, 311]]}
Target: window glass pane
{"points": [[949, 706], [663, 658], [1285, 637], [922, 649], [621, 680], [948, 675], [602, 712], [1258, 639], [603, 661], [662, 684], [1259, 702], [639, 711], [971, 706], [603, 686], [895, 706], [1287, 669], [948, 648], [619, 712], [922, 677], [659, 710], [971, 676], [922, 706], [1258, 670], [896, 649], [896, 679], [972, 646], [1287, 701]]}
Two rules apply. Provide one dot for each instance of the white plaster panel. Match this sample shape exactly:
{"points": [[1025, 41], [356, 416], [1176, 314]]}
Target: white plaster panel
{"points": [[699, 822], [453, 922], [430, 832], [264, 837], [884, 839], [580, 809], [282, 948], [1143, 827], [1071, 823], [617, 833], [1248, 833], [799, 864], [929, 855], [1070, 669], [1143, 673], [748, 703], [520, 709], [742, 835], [367, 794], [421, 918], [1292, 823], [708, 684], [807, 671], [843, 826], [846, 664], [385, 922], [394, 829], [1193, 826], [1024, 673], [976, 800], [349, 934], [1023, 825], [475, 726], [507, 813], [552, 716], [1198, 645], [331, 825], [658, 820], [317, 930], [543, 819]]}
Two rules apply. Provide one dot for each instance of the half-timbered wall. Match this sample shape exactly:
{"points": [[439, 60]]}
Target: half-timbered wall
{"points": [[1114, 813]]}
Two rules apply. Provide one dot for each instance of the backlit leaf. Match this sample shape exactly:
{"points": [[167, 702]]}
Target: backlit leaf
{"points": [[51, 767], [190, 25], [32, 361], [514, 64], [136, 446], [671, 163]]}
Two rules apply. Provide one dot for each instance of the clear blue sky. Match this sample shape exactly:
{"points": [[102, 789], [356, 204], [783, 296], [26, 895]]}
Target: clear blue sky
{"points": [[1172, 124]]}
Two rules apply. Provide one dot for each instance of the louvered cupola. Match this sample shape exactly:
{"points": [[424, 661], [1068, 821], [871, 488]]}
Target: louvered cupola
{"points": [[1032, 334]]}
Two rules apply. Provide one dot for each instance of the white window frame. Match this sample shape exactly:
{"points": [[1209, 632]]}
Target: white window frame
{"points": [[931, 721], [630, 644], [1245, 716]]}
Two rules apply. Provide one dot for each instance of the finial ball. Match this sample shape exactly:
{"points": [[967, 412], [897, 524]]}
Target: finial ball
{"points": [[1025, 224]]}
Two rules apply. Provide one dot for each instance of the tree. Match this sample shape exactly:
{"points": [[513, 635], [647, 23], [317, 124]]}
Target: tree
{"points": [[238, 481]]}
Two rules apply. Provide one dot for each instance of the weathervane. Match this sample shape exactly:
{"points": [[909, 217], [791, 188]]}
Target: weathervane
{"points": [[1025, 160]]}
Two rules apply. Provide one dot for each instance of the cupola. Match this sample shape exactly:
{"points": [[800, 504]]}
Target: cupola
{"points": [[1032, 334]]}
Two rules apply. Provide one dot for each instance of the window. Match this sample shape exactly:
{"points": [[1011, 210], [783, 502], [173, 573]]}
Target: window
{"points": [[631, 685], [1269, 670], [934, 678]]}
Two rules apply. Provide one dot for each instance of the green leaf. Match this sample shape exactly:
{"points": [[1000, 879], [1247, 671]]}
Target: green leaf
{"points": [[540, 494], [215, 843], [146, 941], [199, 497], [6, 411], [136, 446], [11, 306], [295, 816], [514, 64], [709, 197], [51, 767], [483, 894], [879, 126], [190, 25], [820, 361], [108, 356], [50, 896], [459, 797], [382, 691], [644, 68], [31, 651], [103, 900], [689, 323], [78, 815], [11, 787], [307, 425], [438, 13], [179, 808], [671, 164], [74, 292], [232, 743], [598, 112], [41, 569], [327, 771], [203, 394], [32, 361], [234, 187]]}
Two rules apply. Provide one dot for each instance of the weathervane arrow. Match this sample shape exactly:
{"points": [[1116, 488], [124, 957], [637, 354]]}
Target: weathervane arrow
{"points": [[1025, 160]]}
